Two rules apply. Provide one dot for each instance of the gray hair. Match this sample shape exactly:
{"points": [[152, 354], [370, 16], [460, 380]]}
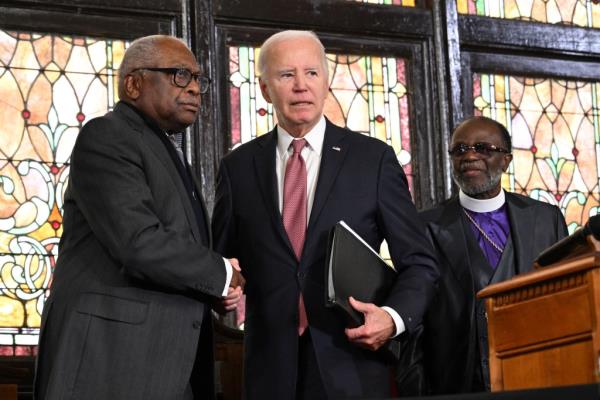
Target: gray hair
{"points": [[283, 36], [141, 53]]}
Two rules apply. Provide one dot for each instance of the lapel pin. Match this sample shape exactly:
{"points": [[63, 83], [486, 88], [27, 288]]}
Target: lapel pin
{"points": [[336, 148]]}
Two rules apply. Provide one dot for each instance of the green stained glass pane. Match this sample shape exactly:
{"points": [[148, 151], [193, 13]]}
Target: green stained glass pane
{"points": [[50, 85], [554, 125], [585, 13]]}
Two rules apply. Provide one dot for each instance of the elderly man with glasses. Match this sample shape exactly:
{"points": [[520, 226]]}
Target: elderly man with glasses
{"points": [[129, 315], [482, 236]]}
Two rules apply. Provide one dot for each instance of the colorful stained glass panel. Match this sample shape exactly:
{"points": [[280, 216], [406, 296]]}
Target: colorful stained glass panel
{"points": [[367, 94], [50, 85], [585, 13], [555, 129]]}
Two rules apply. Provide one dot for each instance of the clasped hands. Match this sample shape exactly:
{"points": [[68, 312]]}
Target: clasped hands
{"points": [[377, 329], [234, 292]]}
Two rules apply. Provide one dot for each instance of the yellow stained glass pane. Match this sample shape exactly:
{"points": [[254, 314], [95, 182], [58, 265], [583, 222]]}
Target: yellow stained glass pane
{"points": [[49, 86]]}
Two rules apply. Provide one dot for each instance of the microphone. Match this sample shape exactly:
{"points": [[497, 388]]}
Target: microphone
{"points": [[568, 245]]}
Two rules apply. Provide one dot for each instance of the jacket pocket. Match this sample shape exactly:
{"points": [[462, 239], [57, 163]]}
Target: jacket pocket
{"points": [[113, 308]]}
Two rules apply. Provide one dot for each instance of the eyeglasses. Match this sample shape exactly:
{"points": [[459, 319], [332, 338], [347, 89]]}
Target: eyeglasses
{"points": [[182, 77], [485, 149]]}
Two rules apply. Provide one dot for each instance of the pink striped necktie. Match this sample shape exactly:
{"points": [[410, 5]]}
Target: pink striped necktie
{"points": [[294, 212]]}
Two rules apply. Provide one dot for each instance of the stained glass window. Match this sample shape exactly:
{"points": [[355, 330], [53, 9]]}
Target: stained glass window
{"points": [[555, 129], [50, 85], [367, 94], [585, 13], [404, 3]]}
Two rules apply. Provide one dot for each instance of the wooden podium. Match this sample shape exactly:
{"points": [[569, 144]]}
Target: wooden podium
{"points": [[543, 326]]}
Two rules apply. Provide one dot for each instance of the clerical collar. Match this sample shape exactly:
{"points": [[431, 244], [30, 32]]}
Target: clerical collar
{"points": [[481, 206], [314, 138]]}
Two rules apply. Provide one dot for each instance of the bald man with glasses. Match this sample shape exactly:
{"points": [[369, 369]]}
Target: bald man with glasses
{"points": [[129, 312], [482, 236]]}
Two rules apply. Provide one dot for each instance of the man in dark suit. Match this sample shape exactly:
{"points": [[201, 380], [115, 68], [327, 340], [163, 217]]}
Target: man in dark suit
{"points": [[128, 316], [483, 236], [278, 196]]}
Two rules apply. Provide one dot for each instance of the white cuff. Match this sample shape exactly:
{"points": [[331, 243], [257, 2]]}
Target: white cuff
{"points": [[397, 320], [228, 269]]}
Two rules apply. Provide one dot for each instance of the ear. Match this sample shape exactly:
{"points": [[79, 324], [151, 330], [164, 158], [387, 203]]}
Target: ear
{"points": [[264, 90], [133, 86], [506, 161]]}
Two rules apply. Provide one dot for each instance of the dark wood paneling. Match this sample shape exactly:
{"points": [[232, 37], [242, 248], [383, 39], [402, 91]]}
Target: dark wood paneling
{"points": [[112, 26], [173, 6], [341, 16], [509, 64], [561, 41]]}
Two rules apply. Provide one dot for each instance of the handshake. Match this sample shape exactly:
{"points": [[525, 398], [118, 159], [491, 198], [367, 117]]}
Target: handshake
{"points": [[234, 292]]}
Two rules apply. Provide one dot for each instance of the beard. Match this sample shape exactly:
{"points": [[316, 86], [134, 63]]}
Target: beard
{"points": [[492, 180]]}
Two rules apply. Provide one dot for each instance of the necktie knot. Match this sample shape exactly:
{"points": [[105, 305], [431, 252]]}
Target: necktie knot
{"points": [[298, 145]]}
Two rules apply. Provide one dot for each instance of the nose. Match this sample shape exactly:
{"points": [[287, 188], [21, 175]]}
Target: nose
{"points": [[471, 154], [299, 82], [193, 87]]}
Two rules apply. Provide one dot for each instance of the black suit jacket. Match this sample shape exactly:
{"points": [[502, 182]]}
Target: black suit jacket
{"points": [[133, 276], [360, 182], [448, 353]]}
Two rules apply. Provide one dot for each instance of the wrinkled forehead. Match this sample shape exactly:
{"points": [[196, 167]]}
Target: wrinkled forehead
{"points": [[175, 54]]}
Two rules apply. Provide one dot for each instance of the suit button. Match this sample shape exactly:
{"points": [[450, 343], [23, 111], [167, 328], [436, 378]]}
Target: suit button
{"points": [[197, 324], [301, 275]]}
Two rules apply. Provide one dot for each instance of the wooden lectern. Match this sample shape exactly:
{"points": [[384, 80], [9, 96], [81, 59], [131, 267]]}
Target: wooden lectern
{"points": [[543, 326]]}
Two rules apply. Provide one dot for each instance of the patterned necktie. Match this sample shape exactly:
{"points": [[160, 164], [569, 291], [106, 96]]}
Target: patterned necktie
{"points": [[177, 140], [294, 211]]}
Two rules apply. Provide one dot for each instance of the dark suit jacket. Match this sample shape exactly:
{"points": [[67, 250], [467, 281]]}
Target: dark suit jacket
{"points": [[129, 293], [451, 340], [361, 183]]}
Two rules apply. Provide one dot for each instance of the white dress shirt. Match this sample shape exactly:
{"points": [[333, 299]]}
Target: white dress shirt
{"points": [[311, 153]]}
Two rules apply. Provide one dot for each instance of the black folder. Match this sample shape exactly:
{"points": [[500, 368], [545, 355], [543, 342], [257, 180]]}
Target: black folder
{"points": [[355, 269]]}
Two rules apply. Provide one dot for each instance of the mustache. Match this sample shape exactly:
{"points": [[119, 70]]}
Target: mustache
{"points": [[464, 165]]}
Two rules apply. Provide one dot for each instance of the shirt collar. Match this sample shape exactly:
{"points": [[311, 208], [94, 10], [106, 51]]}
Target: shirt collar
{"points": [[481, 206], [314, 138]]}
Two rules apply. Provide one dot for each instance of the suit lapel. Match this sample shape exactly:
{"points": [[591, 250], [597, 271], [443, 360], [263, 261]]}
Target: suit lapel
{"points": [[451, 238], [264, 167], [522, 225], [159, 150], [333, 154]]}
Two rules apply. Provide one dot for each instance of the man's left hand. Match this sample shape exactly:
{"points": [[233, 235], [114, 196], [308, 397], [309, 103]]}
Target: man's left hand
{"points": [[377, 329], [229, 302]]}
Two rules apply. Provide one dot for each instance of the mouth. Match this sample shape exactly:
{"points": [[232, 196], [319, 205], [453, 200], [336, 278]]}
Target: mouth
{"points": [[468, 172], [301, 103], [193, 107]]}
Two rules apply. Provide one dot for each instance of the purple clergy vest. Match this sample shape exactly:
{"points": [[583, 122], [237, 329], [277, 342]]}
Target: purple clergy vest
{"points": [[495, 224]]}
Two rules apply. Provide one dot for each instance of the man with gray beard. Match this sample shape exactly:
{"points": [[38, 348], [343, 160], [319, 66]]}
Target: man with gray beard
{"points": [[482, 236]]}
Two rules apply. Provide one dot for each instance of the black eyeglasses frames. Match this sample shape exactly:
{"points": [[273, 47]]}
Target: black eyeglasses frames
{"points": [[182, 77], [485, 149]]}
